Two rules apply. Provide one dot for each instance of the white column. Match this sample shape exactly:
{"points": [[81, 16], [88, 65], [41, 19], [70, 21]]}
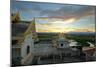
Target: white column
{"points": [[38, 61], [60, 56], [54, 58]]}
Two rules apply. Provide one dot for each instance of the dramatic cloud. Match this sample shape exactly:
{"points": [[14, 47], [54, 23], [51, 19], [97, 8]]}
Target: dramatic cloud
{"points": [[35, 9], [25, 7], [50, 17], [70, 11]]}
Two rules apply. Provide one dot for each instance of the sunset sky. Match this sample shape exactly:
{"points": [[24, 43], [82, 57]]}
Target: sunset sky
{"points": [[52, 17]]}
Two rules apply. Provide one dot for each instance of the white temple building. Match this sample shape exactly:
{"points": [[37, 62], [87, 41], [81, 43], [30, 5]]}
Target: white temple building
{"points": [[32, 47]]}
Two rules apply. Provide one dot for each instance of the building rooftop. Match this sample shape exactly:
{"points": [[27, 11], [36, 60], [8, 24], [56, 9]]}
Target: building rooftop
{"points": [[44, 42], [18, 29]]}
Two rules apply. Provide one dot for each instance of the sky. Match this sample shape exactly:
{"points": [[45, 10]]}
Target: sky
{"points": [[53, 17]]}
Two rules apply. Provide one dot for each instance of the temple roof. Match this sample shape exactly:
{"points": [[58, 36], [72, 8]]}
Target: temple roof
{"points": [[18, 29], [15, 17]]}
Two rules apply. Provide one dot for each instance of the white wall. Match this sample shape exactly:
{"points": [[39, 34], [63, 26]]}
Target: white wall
{"points": [[27, 42], [65, 44]]}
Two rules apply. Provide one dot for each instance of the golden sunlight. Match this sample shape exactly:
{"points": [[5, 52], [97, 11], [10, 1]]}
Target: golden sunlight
{"points": [[70, 20], [64, 30]]}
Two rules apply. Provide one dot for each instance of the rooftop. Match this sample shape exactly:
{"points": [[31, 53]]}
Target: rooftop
{"points": [[18, 29]]}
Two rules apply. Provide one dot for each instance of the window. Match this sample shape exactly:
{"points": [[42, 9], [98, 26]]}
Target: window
{"points": [[28, 49], [14, 42], [61, 44]]}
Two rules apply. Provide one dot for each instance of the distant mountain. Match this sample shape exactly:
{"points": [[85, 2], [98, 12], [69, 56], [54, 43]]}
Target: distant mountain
{"points": [[70, 33], [82, 33]]}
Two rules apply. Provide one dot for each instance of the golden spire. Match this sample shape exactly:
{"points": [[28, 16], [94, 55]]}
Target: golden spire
{"points": [[15, 18], [31, 28]]}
